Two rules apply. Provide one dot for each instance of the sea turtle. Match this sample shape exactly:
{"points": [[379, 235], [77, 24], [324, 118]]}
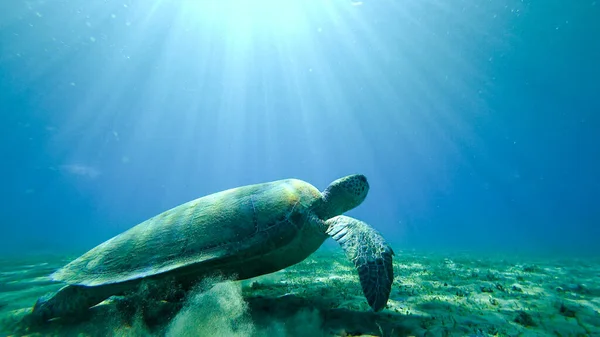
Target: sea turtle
{"points": [[240, 233]]}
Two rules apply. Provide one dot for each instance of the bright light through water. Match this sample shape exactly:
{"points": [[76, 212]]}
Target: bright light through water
{"points": [[174, 99], [475, 122]]}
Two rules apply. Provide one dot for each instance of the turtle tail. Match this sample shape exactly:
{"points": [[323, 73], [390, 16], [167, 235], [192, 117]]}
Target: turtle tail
{"points": [[371, 255]]}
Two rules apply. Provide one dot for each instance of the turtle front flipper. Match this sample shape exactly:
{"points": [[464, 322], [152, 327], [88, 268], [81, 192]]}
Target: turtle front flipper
{"points": [[371, 255]]}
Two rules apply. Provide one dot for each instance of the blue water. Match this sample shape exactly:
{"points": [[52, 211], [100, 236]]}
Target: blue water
{"points": [[474, 121]]}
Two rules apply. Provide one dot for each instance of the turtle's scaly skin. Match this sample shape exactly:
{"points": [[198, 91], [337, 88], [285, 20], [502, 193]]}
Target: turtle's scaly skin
{"points": [[228, 229], [371, 255]]}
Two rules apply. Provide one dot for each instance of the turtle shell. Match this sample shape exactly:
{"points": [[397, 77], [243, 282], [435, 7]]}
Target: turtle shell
{"points": [[227, 226]]}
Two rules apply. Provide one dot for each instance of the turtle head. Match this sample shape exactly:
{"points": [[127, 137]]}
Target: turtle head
{"points": [[343, 195]]}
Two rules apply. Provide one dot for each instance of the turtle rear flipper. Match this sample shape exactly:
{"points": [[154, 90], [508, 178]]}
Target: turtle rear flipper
{"points": [[371, 255], [70, 301]]}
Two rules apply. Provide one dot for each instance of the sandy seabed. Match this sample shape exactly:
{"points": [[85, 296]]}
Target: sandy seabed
{"points": [[457, 294]]}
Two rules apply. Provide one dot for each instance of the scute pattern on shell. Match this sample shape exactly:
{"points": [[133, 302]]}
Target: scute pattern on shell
{"points": [[217, 227]]}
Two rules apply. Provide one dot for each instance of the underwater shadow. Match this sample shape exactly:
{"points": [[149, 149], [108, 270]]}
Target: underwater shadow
{"points": [[120, 317], [352, 322]]}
